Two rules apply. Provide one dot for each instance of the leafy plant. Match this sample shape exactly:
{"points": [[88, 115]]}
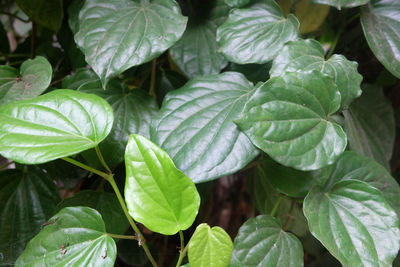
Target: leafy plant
{"points": [[174, 100]]}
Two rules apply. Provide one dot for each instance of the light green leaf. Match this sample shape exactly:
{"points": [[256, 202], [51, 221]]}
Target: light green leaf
{"points": [[380, 20], [194, 126], [255, 34], [32, 80], [342, 3], [354, 222], [115, 35], [75, 236], [210, 247], [288, 118], [154, 184], [370, 125], [55, 125], [237, 3], [305, 55], [28, 198], [262, 242]]}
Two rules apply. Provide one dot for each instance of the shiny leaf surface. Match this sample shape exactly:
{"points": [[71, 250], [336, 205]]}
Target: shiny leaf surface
{"points": [[48, 14], [342, 3], [237, 3]]}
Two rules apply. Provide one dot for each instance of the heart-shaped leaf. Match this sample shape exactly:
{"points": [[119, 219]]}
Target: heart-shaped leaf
{"points": [[32, 80], [255, 34], [380, 20], [157, 194], [305, 55], [28, 198], [209, 247], [288, 118], [118, 34], [55, 125], [194, 126], [48, 14], [354, 222], [75, 236], [342, 3], [262, 242]]}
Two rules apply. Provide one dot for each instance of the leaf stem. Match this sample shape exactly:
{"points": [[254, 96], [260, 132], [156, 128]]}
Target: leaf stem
{"points": [[182, 252], [275, 208], [153, 78], [123, 236], [103, 162], [289, 216], [86, 167], [33, 40], [15, 16]]}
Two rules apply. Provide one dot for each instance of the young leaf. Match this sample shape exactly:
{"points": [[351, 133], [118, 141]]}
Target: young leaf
{"points": [[32, 80], [305, 55], [288, 118], [342, 3], [75, 236], [157, 194], [255, 34], [195, 126], [55, 125], [210, 247], [380, 21], [262, 242], [354, 222], [28, 198], [115, 35]]}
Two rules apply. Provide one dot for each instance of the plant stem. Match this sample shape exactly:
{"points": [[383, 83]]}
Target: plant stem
{"points": [[103, 162], [182, 252], [289, 216], [15, 16], [86, 167], [122, 236], [275, 208], [33, 39], [153, 78]]}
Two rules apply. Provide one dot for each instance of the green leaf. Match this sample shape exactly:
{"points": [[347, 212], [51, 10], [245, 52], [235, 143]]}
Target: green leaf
{"points": [[380, 20], [342, 3], [305, 55], [105, 203], [28, 198], [253, 72], [255, 34], [209, 247], [32, 80], [354, 222], [196, 52], [370, 125], [154, 184], [194, 126], [262, 242], [115, 35], [55, 125], [82, 77], [288, 118], [311, 16], [73, 15], [75, 236], [48, 14], [237, 3]]}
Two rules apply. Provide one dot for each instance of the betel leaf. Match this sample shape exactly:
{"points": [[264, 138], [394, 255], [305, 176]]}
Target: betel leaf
{"points": [[33, 79], [81, 78], [380, 20], [157, 194], [28, 198], [255, 34], [196, 52], [48, 14], [262, 242], [55, 125], [354, 222], [370, 125], [305, 55], [342, 3], [115, 35], [195, 126], [209, 247], [288, 118], [237, 3], [75, 236]]}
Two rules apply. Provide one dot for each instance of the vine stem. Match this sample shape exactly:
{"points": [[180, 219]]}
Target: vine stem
{"points": [[122, 236], [103, 162], [275, 208], [33, 40], [182, 252], [153, 78], [289, 216]]}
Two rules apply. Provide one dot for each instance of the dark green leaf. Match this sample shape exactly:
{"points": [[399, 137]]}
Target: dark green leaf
{"points": [[288, 118], [75, 236], [253, 72], [237, 3], [55, 125], [82, 77], [195, 126], [73, 15], [342, 3], [169, 81], [157, 194]]}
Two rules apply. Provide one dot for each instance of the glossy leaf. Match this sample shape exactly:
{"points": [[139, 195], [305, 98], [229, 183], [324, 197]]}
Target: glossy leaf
{"points": [[119, 34], [305, 55], [237, 3], [154, 184], [310, 15], [28, 198], [196, 52], [255, 34], [33, 79], [262, 242], [210, 247], [380, 20], [342, 3], [194, 126], [288, 118], [75, 236], [370, 125], [52, 126], [354, 222]]}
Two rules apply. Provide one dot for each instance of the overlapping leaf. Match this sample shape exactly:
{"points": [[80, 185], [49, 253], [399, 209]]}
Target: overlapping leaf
{"points": [[237, 3], [48, 14], [342, 3]]}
